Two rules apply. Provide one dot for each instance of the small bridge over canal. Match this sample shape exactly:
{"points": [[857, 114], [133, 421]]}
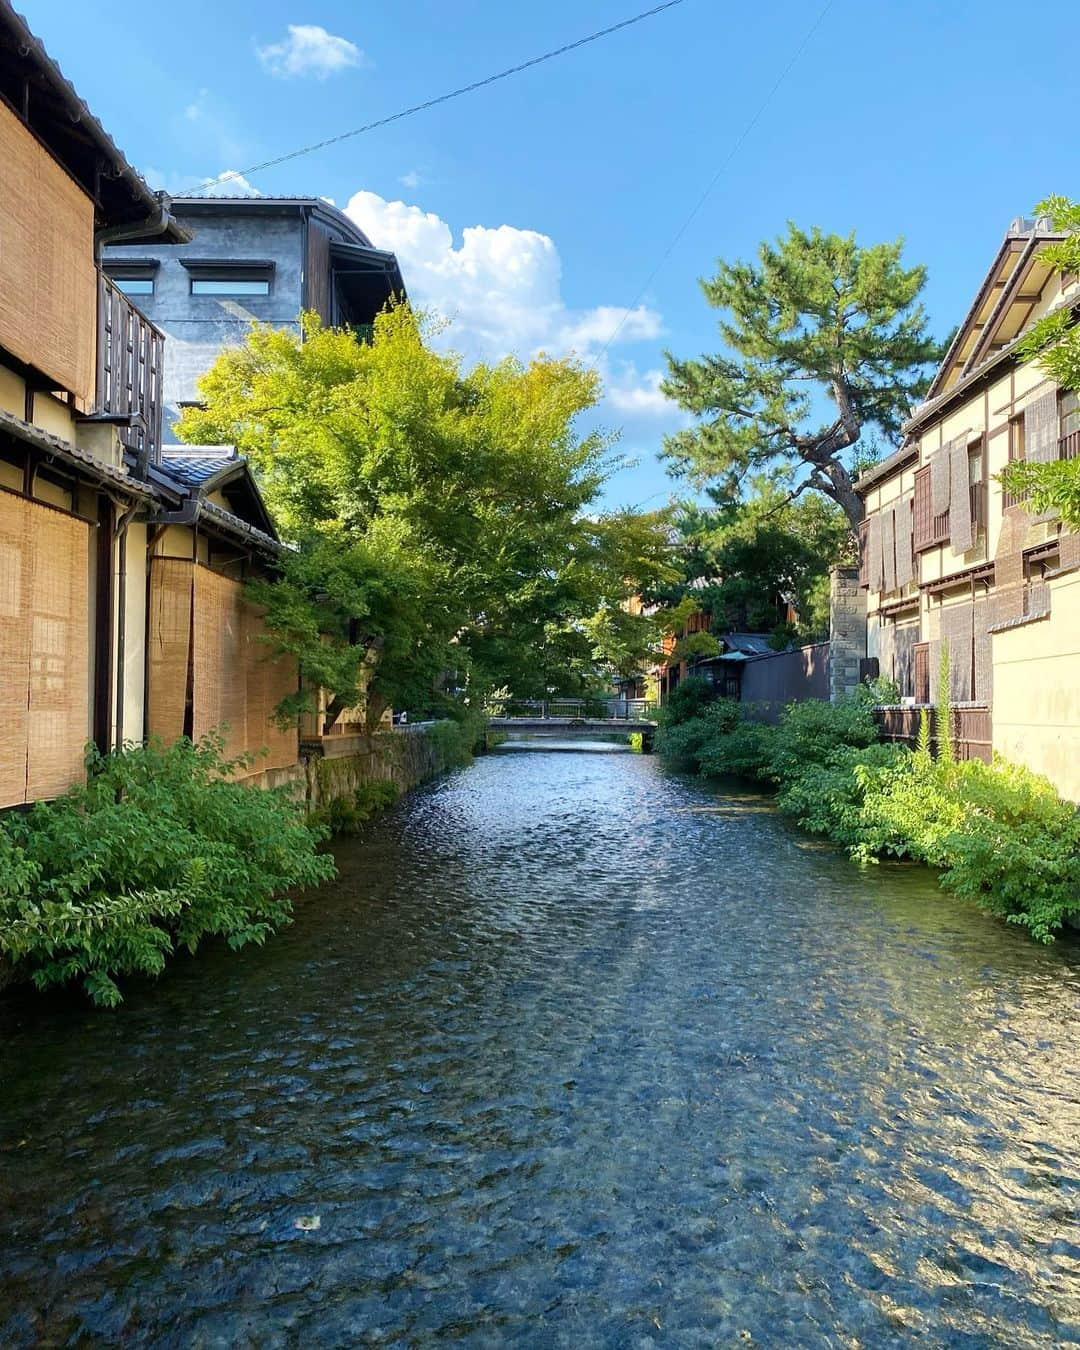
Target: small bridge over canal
{"points": [[576, 719]]}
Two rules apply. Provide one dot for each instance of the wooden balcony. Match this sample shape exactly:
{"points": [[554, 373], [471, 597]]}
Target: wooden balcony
{"points": [[130, 365], [1069, 446], [931, 530]]}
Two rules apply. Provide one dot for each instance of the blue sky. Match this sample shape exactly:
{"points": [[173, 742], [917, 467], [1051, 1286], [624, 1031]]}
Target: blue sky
{"points": [[939, 122]]}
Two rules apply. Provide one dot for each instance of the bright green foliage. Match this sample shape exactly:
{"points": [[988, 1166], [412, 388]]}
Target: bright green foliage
{"points": [[763, 552], [158, 850], [694, 646], [443, 517], [1054, 341], [999, 835], [943, 709], [816, 317], [457, 738], [826, 797], [698, 720], [686, 700], [345, 815]]}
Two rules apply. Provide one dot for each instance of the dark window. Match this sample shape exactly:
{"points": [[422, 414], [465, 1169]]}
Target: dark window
{"points": [[134, 278], [1016, 437], [1016, 451], [230, 285], [928, 528], [211, 277], [1069, 415]]}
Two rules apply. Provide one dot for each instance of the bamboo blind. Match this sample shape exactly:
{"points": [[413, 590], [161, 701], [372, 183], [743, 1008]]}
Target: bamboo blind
{"points": [[237, 682], [14, 646], [171, 584], [47, 276], [44, 650], [270, 679]]}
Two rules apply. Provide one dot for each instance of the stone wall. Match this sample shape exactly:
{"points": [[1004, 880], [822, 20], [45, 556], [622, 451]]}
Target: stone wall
{"points": [[339, 765], [847, 630]]}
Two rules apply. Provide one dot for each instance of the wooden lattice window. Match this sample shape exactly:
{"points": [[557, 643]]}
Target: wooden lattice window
{"points": [[921, 655]]}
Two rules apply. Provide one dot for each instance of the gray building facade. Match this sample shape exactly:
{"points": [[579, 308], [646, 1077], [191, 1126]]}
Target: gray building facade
{"points": [[265, 259]]}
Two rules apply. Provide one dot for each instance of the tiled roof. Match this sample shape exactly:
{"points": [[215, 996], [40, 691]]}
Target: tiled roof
{"points": [[70, 454], [193, 468]]}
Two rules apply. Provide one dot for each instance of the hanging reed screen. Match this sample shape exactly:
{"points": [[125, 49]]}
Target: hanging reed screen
{"points": [[237, 682], [44, 650], [47, 276]]}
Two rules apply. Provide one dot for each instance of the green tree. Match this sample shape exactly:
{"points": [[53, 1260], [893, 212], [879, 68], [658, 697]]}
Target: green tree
{"points": [[1054, 341], [763, 552], [440, 517], [817, 321]]}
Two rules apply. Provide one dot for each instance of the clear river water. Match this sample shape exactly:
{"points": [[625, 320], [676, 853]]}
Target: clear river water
{"points": [[576, 1052]]}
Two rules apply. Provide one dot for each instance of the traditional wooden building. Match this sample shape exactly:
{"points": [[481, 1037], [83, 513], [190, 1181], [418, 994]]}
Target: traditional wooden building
{"points": [[100, 531], [949, 560], [249, 259]]}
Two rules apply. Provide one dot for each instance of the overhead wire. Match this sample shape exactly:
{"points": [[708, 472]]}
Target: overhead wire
{"points": [[732, 152], [234, 174]]}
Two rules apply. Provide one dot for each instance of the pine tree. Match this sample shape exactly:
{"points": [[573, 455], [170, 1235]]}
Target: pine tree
{"points": [[817, 320]]}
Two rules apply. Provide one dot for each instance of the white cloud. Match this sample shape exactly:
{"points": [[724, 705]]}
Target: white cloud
{"points": [[410, 180], [501, 286], [639, 395], [309, 50], [501, 289], [222, 186]]}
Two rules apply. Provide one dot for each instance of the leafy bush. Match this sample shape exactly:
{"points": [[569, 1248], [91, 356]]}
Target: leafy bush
{"points": [[456, 738], [686, 701], [156, 851], [999, 835], [809, 733], [683, 738], [827, 797], [345, 814], [746, 751]]}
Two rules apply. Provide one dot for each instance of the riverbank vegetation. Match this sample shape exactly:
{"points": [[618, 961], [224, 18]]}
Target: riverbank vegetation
{"points": [[445, 535], [157, 851], [997, 834]]}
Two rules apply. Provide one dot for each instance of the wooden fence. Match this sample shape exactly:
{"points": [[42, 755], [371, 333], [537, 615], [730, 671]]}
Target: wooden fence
{"points": [[971, 728]]}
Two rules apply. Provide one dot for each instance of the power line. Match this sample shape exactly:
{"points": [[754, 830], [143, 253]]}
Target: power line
{"points": [[433, 102], [736, 147]]}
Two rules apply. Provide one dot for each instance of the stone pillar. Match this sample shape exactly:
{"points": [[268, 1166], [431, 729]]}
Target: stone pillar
{"points": [[847, 630]]}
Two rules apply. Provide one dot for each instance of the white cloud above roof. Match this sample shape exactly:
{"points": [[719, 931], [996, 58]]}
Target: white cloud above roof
{"points": [[501, 289], [309, 50]]}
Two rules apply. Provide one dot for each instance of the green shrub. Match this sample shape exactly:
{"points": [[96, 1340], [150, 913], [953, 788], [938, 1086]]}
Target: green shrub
{"points": [[1000, 834], [809, 732], [345, 814], [456, 738], [156, 851], [746, 751], [689, 698], [684, 740], [827, 798]]}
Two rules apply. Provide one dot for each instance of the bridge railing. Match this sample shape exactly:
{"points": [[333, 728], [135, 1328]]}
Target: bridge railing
{"points": [[604, 709]]}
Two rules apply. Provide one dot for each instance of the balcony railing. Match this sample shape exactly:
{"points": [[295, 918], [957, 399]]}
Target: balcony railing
{"points": [[939, 525], [1068, 448], [130, 365]]}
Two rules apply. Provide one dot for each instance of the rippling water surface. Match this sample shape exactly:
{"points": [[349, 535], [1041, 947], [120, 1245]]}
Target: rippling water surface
{"points": [[575, 1053]]}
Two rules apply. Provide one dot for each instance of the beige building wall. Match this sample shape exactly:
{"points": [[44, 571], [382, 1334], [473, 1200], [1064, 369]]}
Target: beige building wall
{"points": [[1037, 690]]}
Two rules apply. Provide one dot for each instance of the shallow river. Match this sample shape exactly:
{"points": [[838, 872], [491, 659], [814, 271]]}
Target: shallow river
{"points": [[575, 1053]]}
